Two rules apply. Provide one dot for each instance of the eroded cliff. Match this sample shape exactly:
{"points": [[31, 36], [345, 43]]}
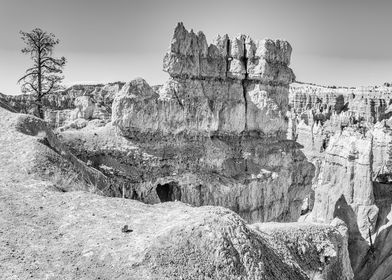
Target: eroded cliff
{"points": [[80, 235], [213, 134], [346, 133], [64, 107]]}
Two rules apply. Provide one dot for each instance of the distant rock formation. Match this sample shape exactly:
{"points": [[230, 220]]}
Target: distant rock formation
{"points": [[370, 104], [347, 135], [63, 107]]}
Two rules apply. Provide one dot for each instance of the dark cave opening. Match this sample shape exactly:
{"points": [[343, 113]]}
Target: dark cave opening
{"points": [[169, 192]]}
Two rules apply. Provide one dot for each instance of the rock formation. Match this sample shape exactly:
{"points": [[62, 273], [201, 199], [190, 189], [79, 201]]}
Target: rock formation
{"points": [[347, 135], [320, 250], [370, 104], [213, 134], [63, 107], [79, 235], [224, 130]]}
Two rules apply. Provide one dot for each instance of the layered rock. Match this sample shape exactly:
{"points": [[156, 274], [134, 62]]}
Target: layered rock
{"points": [[215, 132], [238, 58], [79, 235], [63, 107], [363, 103], [346, 134]]}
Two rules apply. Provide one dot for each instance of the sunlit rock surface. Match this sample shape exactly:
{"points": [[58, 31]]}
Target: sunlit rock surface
{"points": [[63, 107], [346, 134], [50, 230], [215, 132]]}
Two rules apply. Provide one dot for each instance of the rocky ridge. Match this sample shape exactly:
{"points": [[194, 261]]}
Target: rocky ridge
{"points": [[213, 134], [79, 235], [64, 107]]}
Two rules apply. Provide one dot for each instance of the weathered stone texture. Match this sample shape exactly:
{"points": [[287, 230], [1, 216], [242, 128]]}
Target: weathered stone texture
{"points": [[218, 127]]}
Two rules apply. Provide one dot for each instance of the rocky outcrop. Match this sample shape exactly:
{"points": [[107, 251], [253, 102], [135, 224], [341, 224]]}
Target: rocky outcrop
{"points": [[363, 103], [319, 249], [346, 171], [47, 156], [376, 264], [239, 58], [79, 235], [215, 132], [346, 134], [344, 189]]}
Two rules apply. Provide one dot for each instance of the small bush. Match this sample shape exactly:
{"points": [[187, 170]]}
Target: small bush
{"points": [[72, 181]]}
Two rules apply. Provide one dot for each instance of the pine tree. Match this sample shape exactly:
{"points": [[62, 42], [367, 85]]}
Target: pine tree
{"points": [[45, 76]]}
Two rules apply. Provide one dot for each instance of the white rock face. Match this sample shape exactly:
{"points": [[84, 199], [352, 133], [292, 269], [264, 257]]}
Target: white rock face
{"points": [[266, 61], [344, 189], [84, 107], [346, 172], [230, 86], [80, 235], [381, 147], [346, 134], [218, 126]]}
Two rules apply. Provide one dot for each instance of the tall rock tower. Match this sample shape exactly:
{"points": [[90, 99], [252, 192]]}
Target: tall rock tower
{"points": [[217, 128]]}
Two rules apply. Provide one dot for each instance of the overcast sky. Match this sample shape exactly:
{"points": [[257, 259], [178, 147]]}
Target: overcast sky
{"points": [[335, 42]]}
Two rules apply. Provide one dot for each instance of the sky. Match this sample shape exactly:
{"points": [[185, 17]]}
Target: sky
{"points": [[335, 42]]}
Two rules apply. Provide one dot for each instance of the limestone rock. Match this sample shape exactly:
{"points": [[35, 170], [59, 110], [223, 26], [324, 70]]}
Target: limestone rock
{"points": [[363, 103], [346, 134], [320, 250], [58, 105], [376, 264], [220, 135], [190, 56], [200, 171], [84, 107], [30, 145], [78, 235], [353, 181]]}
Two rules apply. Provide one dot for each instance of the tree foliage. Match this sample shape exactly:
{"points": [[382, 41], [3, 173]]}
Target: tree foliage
{"points": [[45, 76]]}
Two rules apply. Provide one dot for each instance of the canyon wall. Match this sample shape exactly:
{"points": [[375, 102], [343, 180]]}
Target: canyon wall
{"points": [[224, 130], [213, 134], [81, 235], [346, 133], [371, 104], [65, 106]]}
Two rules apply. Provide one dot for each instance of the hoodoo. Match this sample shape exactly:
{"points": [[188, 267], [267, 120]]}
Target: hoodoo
{"points": [[217, 128]]}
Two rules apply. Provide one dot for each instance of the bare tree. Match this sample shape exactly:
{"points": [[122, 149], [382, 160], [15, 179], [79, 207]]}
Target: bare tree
{"points": [[46, 74]]}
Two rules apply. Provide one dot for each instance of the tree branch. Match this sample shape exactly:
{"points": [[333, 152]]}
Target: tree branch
{"points": [[58, 62], [25, 76], [32, 86], [51, 69]]}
